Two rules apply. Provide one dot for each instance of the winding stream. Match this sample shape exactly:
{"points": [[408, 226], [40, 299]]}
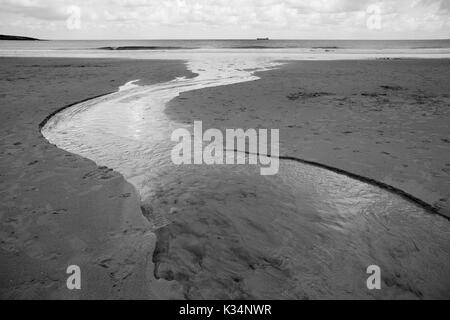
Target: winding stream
{"points": [[227, 232]]}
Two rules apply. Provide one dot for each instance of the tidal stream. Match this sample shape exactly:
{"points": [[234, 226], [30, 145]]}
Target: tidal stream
{"points": [[225, 231]]}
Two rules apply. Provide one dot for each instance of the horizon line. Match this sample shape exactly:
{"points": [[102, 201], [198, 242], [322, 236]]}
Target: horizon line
{"points": [[237, 39]]}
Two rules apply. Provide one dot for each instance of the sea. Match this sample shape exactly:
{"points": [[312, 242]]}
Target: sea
{"points": [[296, 49]]}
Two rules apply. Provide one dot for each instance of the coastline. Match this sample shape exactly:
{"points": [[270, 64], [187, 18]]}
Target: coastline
{"points": [[58, 207]]}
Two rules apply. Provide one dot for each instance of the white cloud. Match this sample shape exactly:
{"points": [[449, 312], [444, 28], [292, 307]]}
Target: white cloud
{"points": [[230, 18]]}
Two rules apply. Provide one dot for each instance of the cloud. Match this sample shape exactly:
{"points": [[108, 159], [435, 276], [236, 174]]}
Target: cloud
{"points": [[43, 10], [199, 16]]}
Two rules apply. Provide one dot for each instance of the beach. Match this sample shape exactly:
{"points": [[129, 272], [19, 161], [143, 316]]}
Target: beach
{"points": [[386, 120], [58, 207]]}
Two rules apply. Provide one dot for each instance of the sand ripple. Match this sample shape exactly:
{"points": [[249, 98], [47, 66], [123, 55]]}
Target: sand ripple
{"points": [[227, 232]]}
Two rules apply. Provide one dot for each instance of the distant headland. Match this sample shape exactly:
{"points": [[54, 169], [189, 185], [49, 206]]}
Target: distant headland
{"points": [[8, 37]]}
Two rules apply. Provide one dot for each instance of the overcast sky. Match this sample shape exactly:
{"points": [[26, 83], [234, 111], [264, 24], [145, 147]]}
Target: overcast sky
{"points": [[217, 19]]}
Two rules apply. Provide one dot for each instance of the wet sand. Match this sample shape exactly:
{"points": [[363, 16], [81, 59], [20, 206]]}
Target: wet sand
{"points": [[58, 208], [384, 120], [63, 208]]}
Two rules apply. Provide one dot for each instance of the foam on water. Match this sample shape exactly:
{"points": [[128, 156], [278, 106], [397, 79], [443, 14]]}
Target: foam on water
{"points": [[208, 50]]}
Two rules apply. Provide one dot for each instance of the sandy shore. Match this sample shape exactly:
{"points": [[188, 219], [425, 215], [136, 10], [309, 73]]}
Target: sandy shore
{"points": [[385, 120], [58, 208]]}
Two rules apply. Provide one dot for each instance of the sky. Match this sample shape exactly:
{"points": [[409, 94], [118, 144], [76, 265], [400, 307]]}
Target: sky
{"points": [[226, 19]]}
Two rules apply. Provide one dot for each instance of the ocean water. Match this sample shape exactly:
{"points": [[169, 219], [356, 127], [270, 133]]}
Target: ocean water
{"points": [[288, 49], [232, 44], [312, 232]]}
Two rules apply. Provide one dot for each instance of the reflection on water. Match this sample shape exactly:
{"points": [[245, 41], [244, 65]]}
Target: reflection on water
{"points": [[128, 130], [227, 232]]}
